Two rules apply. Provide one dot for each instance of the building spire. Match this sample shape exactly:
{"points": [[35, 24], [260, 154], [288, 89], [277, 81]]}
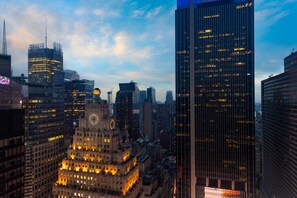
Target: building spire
{"points": [[4, 45], [45, 33]]}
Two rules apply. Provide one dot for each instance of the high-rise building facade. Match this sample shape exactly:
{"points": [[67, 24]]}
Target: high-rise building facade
{"points": [[127, 109], [45, 65], [149, 114], [151, 94], [215, 98], [142, 98], [148, 122], [12, 137], [279, 118], [99, 162], [77, 94], [45, 144], [12, 152], [5, 65]]}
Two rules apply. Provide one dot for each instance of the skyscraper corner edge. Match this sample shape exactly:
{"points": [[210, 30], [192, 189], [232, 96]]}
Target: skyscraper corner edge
{"points": [[182, 4]]}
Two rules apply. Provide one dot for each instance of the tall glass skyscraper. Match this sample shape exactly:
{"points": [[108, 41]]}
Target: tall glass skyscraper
{"points": [[279, 107], [127, 109], [45, 138], [215, 98]]}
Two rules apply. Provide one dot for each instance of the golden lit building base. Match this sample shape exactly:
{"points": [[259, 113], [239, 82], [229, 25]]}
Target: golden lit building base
{"points": [[68, 192]]}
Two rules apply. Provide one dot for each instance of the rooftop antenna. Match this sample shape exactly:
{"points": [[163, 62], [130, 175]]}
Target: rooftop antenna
{"points": [[46, 33], [4, 46]]}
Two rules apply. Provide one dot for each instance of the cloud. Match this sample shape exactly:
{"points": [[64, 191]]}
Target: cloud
{"points": [[147, 12], [106, 13], [138, 12], [96, 42], [154, 12]]}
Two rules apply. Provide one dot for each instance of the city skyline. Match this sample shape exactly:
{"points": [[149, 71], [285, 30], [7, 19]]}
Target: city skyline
{"points": [[130, 40]]}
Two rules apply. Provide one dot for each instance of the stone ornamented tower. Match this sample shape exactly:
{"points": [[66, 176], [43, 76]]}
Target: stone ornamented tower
{"points": [[99, 162]]}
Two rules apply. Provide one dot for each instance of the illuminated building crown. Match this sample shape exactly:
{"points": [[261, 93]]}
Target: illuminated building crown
{"points": [[99, 162]]}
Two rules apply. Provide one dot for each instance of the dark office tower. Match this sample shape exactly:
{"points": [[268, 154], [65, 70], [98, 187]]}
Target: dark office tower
{"points": [[148, 128], [215, 98], [12, 138], [12, 152], [46, 65], [142, 96], [164, 117], [151, 94], [127, 109], [77, 94], [151, 98], [46, 129], [169, 97], [279, 118], [5, 60]]}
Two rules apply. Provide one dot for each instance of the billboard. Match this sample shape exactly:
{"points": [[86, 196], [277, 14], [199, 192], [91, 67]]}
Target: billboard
{"points": [[4, 80]]}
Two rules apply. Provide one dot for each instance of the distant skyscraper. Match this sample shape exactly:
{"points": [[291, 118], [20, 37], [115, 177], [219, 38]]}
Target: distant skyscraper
{"points": [[127, 109], [46, 65], [151, 94], [99, 166], [164, 117], [150, 111], [110, 103], [70, 75], [45, 138], [77, 95], [215, 98], [5, 59], [279, 107], [169, 97], [148, 127], [5, 65], [142, 98]]}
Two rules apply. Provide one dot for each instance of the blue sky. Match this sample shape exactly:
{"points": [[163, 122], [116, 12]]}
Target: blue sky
{"points": [[122, 40]]}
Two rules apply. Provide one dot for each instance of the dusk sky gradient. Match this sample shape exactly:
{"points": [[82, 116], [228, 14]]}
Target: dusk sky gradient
{"points": [[117, 41]]}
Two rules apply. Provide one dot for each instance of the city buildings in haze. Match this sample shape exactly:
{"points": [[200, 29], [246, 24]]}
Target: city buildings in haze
{"points": [[215, 98]]}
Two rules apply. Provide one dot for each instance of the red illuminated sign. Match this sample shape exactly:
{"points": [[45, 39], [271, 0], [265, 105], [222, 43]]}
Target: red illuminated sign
{"points": [[4, 80]]}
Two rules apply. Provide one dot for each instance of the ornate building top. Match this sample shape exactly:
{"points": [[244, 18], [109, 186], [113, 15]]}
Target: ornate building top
{"points": [[99, 161]]}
